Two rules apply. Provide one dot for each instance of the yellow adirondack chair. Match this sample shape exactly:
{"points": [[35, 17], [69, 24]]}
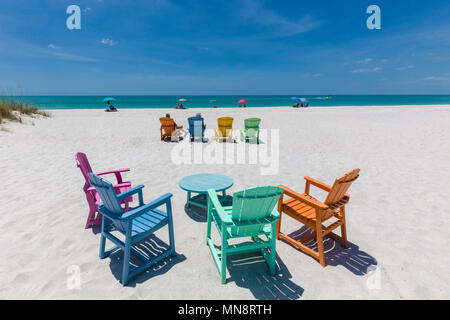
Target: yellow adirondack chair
{"points": [[225, 130], [312, 212]]}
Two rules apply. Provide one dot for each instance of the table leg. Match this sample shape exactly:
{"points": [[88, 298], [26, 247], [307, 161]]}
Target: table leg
{"points": [[188, 199]]}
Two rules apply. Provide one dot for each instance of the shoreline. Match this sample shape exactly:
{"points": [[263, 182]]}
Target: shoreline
{"points": [[265, 108]]}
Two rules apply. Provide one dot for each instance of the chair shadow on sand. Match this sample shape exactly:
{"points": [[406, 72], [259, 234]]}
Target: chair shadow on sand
{"points": [[353, 259], [250, 271], [151, 247]]}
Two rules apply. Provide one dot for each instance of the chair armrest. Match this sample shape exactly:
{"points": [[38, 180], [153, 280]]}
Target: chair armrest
{"points": [[130, 215], [116, 172], [130, 192], [304, 198], [215, 203], [317, 183]]}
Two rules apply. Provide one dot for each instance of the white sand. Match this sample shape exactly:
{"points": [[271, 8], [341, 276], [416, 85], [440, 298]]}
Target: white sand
{"points": [[398, 215]]}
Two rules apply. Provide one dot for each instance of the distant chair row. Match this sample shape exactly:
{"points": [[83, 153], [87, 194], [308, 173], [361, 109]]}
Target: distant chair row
{"points": [[223, 133]]}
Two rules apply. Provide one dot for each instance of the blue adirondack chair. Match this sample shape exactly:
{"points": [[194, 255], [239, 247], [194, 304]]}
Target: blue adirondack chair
{"points": [[196, 127], [136, 225], [253, 214]]}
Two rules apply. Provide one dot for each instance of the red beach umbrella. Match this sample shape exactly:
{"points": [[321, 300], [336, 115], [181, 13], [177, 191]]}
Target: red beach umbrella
{"points": [[242, 101]]}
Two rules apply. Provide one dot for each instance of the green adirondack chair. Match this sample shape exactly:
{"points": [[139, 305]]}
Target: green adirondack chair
{"points": [[253, 214], [251, 130]]}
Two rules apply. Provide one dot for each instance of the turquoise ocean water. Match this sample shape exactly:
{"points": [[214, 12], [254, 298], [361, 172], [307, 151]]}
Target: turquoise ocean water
{"points": [[95, 102]]}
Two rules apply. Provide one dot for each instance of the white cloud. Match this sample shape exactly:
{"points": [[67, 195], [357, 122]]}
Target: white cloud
{"points": [[435, 78], [315, 75], [365, 61], [280, 27], [405, 68], [376, 69], [52, 46], [109, 42]]}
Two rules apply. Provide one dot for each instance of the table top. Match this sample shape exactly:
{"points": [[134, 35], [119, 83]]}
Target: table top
{"points": [[201, 183]]}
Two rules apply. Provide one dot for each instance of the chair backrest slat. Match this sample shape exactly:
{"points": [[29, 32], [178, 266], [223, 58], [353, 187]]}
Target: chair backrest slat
{"points": [[252, 123], [196, 127], [83, 164], [107, 194], [253, 204], [340, 187], [225, 124], [168, 124]]}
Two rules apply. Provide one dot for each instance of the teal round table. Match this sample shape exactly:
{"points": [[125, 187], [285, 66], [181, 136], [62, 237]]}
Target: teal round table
{"points": [[201, 183]]}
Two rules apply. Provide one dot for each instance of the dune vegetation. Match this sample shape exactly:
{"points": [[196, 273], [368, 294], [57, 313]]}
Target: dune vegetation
{"points": [[11, 110]]}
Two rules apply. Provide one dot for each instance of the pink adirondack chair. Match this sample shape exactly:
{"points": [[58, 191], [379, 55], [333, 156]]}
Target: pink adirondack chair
{"points": [[92, 197]]}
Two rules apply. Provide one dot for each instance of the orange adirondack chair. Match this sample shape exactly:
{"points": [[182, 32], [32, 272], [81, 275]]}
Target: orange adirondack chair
{"points": [[167, 127], [312, 213], [225, 130]]}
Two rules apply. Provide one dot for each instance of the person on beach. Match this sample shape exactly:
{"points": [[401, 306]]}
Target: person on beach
{"points": [[245, 106], [178, 131], [111, 107], [199, 115]]}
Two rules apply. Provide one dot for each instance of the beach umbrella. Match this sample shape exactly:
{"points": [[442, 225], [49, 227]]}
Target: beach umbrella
{"points": [[182, 100], [242, 101], [296, 99], [303, 100], [109, 99]]}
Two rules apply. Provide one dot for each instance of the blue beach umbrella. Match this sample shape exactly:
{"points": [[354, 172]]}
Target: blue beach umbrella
{"points": [[303, 100], [109, 99], [296, 99]]}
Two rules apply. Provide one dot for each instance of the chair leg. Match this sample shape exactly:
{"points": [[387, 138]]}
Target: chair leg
{"points": [[171, 234], [102, 254], [223, 268], [273, 254], [208, 227], [91, 217], [280, 204], [126, 255], [344, 229], [320, 242]]}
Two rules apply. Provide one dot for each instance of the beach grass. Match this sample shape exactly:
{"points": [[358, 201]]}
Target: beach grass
{"points": [[14, 110]]}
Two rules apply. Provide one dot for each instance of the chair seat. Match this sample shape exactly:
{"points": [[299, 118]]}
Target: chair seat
{"points": [[148, 222], [304, 212]]}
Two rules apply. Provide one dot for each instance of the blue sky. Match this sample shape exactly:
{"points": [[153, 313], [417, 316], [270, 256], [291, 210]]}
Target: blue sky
{"points": [[162, 47]]}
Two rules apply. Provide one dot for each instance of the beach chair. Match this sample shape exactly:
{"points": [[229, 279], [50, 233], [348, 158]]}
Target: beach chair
{"points": [[312, 213], [196, 128], [253, 214], [92, 197], [167, 127], [224, 132], [135, 225], [251, 130]]}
